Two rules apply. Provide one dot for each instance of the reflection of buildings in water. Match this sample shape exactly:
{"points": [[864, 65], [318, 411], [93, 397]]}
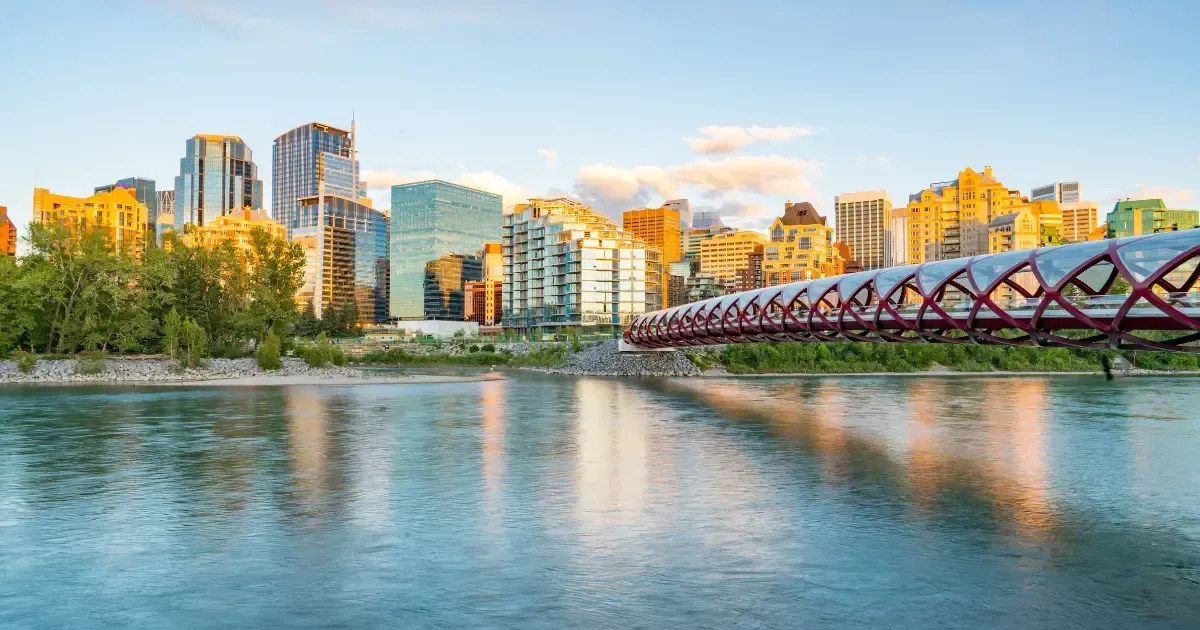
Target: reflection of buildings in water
{"points": [[1017, 445], [308, 434], [920, 398], [830, 434], [930, 470], [612, 440], [491, 400]]}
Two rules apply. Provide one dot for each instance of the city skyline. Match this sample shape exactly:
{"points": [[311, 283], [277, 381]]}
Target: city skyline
{"points": [[740, 134]]}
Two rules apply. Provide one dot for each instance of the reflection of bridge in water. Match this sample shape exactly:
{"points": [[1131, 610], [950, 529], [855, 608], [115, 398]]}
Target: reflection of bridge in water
{"points": [[1064, 296]]}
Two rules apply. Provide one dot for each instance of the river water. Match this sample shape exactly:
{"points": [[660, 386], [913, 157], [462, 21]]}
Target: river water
{"points": [[549, 502]]}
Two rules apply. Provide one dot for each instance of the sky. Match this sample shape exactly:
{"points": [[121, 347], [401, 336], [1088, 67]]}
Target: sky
{"points": [[737, 106]]}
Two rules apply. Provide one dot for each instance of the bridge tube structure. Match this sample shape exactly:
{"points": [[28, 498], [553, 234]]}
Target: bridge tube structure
{"points": [[1135, 293]]}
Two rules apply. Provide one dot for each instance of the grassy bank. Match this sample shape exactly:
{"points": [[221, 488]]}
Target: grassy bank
{"points": [[549, 357], [849, 358]]}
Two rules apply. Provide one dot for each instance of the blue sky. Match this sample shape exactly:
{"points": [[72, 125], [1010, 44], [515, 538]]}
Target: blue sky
{"points": [[596, 98]]}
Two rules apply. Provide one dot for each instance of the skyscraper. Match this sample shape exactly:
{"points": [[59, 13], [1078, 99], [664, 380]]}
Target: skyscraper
{"points": [[659, 229], [305, 159], [217, 176], [316, 195], [683, 208], [431, 219], [165, 219], [862, 223], [143, 191]]}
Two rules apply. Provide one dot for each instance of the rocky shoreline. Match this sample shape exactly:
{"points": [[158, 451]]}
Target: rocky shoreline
{"points": [[154, 370]]}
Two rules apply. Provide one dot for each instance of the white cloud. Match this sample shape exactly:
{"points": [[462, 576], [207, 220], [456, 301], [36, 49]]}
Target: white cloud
{"points": [[488, 181], [384, 180], [493, 183], [879, 160], [728, 139], [551, 156], [1173, 197], [769, 175]]}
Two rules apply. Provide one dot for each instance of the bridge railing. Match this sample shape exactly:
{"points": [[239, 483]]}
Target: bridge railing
{"points": [[1138, 292]]}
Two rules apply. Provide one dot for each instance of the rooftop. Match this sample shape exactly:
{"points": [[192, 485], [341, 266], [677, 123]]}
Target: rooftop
{"points": [[802, 213]]}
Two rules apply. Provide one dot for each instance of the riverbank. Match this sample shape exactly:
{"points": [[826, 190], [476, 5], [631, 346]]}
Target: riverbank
{"points": [[212, 372]]}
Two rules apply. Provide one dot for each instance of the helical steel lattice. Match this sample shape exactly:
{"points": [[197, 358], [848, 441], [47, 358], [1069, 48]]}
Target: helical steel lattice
{"points": [[1134, 293]]}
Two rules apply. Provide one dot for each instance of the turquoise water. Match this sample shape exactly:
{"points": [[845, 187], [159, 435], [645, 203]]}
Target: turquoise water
{"points": [[547, 502]]}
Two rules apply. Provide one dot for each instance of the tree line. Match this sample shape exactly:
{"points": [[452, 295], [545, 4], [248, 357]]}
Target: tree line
{"points": [[73, 292]]}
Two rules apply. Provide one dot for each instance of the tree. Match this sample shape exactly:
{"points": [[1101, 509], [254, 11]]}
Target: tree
{"points": [[172, 328], [307, 324], [275, 273]]}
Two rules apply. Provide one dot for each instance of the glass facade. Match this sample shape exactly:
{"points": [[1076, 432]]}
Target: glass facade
{"points": [[429, 220], [445, 280], [346, 251], [217, 176], [567, 265], [305, 158]]}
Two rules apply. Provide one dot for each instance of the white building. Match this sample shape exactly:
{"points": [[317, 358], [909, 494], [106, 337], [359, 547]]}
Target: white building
{"points": [[861, 219]]}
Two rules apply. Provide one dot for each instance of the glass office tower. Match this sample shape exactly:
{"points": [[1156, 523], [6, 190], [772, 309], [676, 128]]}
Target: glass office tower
{"points": [[217, 176], [305, 158], [445, 285], [431, 219], [345, 249], [316, 196]]}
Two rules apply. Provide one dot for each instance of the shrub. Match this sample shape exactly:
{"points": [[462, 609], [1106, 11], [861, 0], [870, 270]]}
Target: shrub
{"points": [[473, 348], [91, 362], [172, 329], [193, 342], [268, 354], [25, 361], [487, 347], [320, 353]]}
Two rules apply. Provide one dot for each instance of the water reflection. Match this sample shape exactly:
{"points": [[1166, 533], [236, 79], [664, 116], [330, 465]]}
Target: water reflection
{"points": [[542, 501]]}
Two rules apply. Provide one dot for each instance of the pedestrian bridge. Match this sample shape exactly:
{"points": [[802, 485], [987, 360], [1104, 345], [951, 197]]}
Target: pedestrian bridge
{"points": [[1131, 293]]}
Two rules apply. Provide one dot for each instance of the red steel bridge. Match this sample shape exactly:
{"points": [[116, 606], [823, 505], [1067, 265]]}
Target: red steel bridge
{"points": [[1132, 293]]}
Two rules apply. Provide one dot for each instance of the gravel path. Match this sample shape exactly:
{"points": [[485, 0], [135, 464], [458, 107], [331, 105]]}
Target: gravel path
{"points": [[162, 370]]}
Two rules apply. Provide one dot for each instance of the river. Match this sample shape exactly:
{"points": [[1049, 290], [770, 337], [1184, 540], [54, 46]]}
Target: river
{"points": [[551, 502]]}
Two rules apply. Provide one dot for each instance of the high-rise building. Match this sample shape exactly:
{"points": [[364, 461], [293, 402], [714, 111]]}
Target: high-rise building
{"points": [[895, 251], [8, 234], [659, 229], [345, 246], [751, 277], [311, 160], [1132, 217], [431, 219], [862, 223], [445, 285], [1078, 220], [705, 219], [164, 218], [116, 213], [566, 265], [693, 238], [143, 191], [316, 195], [684, 209], [235, 227], [483, 298], [1062, 192], [801, 247], [952, 219], [657, 280], [217, 176], [724, 254]]}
